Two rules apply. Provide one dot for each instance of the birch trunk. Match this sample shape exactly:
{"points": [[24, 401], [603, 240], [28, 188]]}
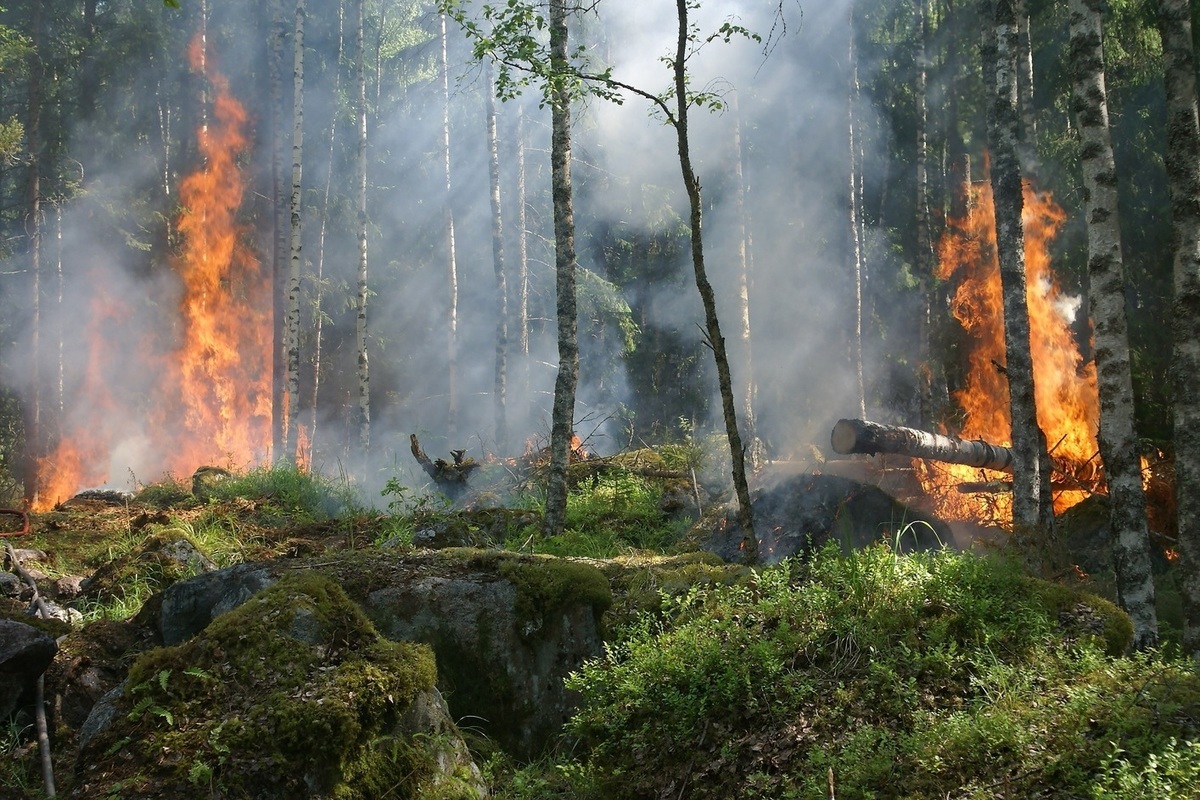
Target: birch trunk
{"points": [[1183, 176], [292, 333], [33, 225], [1028, 144], [562, 422], [742, 242], [499, 389], [923, 263], [363, 415], [855, 253], [319, 270], [1003, 137], [279, 241], [1106, 292], [522, 257], [712, 325], [451, 263]]}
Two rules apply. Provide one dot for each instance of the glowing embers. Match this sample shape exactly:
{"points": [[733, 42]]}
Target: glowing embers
{"points": [[1064, 385]]}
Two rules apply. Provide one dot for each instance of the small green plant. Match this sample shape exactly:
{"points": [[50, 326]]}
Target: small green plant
{"points": [[286, 491]]}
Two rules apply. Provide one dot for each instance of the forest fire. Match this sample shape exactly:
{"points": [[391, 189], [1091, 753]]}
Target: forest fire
{"points": [[209, 395], [1064, 385]]}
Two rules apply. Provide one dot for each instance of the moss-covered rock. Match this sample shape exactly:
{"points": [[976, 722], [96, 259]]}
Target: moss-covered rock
{"points": [[293, 694]]}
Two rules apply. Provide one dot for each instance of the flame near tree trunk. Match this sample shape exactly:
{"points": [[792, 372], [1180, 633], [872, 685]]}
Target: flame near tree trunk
{"points": [[207, 397], [1064, 385]]}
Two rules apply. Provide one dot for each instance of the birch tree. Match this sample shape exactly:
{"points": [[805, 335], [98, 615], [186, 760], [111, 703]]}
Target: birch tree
{"points": [[448, 233], [499, 397], [292, 333], [562, 415], [33, 228], [1183, 176], [279, 239], [363, 411], [1106, 293], [1003, 139]]}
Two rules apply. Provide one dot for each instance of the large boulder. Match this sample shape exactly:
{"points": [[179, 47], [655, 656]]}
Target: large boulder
{"points": [[505, 628], [25, 653], [294, 694]]}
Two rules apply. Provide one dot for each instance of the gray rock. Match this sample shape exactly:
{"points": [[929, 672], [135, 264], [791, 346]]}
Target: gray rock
{"points": [[106, 709], [188, 606], [11, 585], [25, 653]]}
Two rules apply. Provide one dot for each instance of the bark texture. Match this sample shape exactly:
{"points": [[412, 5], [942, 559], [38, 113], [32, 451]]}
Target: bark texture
{"points": [[712, 325], [292, 332], [451, 258], [363, 415], [1003, 138], [863, 436], [1106, 293], [500, 376], [562, 421], [1183, 176]]}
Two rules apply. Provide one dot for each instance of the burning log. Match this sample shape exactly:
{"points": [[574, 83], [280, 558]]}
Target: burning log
{"points": [[861, 436], [450, 477]]}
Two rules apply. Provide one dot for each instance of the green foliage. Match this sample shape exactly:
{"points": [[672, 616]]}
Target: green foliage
{"points": [[289, 492], [908, 676], [295, 676]]}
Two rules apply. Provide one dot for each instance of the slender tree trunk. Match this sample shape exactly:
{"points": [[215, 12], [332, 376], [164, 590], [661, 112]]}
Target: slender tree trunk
{"points": [[499, 388], [279, 239], [363, 417], [707, 297], [1183, 176], [562, 418], [923, 262], [742, 237], [451, 260], [855, 252], [292, 332], [33, 229], [1028, 141], [522, 257], [1003, 137], [1106, 292], [319, 271]]}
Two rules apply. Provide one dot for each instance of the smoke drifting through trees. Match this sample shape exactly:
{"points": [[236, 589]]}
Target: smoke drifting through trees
{"points": [[630, 208]]}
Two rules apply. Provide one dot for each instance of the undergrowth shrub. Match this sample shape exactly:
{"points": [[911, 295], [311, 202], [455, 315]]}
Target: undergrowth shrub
{"points": [[901, 676], [286, 490]]}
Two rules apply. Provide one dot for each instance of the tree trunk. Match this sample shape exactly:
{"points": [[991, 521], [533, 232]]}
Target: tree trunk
{"points": [[862, 436], [1183, 176], [363, 415], [319, 270], [451, 262], [292, 332], [742, 243], [1106, 292], [279, 239], [562, 421], [712, 324], [855, 251], [1003, 135], [33, 226], [923, 262], [499, 388], [522, 257], [1028, 144]]}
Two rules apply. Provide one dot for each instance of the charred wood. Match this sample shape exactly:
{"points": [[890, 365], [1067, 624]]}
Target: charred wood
{"points": [[862, 436], [449, 476]]}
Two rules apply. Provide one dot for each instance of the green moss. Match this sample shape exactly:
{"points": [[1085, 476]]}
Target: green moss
{"points": [[545, 584], [1084, 613], [282, 697]]}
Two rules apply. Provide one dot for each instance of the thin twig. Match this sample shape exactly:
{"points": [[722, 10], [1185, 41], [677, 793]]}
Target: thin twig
{"points": [[39, 699]]}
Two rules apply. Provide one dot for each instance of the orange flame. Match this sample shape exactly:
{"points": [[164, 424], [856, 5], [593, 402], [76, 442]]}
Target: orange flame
{"points": [[1064, 386], [210, 400]]}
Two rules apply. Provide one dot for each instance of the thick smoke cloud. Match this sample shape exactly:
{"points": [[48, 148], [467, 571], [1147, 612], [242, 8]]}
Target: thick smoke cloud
{"points": [[791, 96]]}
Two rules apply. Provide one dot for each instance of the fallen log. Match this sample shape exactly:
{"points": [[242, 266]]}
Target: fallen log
{"points": [[862, 436]]}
